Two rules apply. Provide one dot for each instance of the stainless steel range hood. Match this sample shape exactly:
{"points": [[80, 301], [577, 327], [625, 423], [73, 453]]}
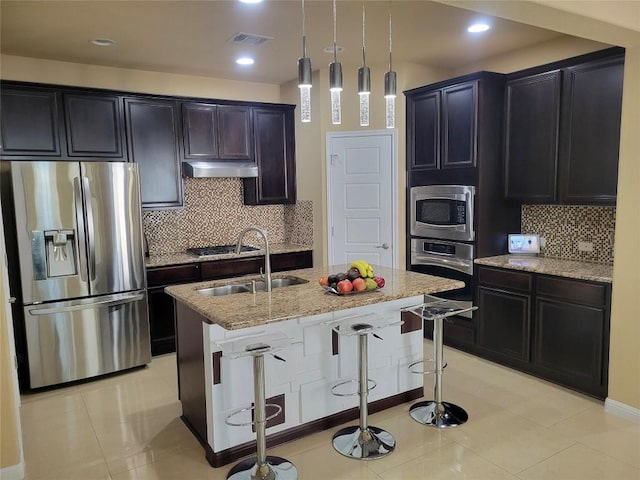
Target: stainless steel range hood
{"points": [[213, 169]]}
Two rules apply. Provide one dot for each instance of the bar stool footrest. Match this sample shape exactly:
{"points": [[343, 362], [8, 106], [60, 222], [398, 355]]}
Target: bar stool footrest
{"points": [[368, 444], [371, 384], [424, 372], [276, 468], [445, 415], [248, 409]]}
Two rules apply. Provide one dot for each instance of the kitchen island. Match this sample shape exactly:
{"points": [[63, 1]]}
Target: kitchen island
{"points": [[211, 385]]}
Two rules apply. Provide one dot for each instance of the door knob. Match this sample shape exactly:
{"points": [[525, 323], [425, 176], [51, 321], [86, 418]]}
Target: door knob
{"points": [[385, 245]]}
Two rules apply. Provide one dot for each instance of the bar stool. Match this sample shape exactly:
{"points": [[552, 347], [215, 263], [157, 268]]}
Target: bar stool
{"points": [[362, 441], [437, 413], [260, 467]]}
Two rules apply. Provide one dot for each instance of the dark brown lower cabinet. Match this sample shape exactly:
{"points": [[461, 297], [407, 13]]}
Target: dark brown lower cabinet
{"points": [[553, 327], [161, 305], [571, 334], [161, 308], [504, 323]]}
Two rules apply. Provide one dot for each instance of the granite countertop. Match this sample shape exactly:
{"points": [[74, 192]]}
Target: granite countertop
{"points": [[178, 258], [242, 310], [597, 272]]}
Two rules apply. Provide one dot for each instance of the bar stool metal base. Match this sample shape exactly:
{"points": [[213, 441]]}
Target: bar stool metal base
{"points": [[368, 444], [276, 468], [445, 415]]}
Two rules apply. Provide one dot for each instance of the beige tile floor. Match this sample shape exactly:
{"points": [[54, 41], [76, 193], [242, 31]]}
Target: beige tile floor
{"points": [[127, 426]]}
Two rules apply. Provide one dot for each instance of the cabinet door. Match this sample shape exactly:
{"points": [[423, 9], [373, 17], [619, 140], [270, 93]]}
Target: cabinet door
{"points": [[94, 126], [590, 142], [30, 123], [161, 321], [504, 325], [459, 125], [153, 145], [531, 137], [275, 156], [568, 344], [200, 127], [235, 136], [424, 131]]}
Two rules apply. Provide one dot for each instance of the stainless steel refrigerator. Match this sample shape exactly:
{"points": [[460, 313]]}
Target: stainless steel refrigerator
{"points": [[78, 233]]}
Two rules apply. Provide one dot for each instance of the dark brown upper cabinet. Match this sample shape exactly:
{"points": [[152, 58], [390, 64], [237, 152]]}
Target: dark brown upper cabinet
{"points": [[152, 137], [31, 123], [592, 104], [424, 111], [94, 126], [531, 137], [459, 132], [274, 130], [217, 132], [442, 126], [562, 132]]}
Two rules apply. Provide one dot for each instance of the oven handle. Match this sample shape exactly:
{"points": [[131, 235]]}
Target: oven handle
{"points": [[442, 262]]}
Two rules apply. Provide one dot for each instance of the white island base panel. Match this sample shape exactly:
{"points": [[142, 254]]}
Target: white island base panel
{"points": [[310, 370]]}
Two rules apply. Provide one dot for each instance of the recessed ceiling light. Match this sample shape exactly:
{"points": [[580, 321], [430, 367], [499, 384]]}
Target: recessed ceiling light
{"points": [[244, 61], [250, 1], [329, 49], [478, 27], [103, 42]]}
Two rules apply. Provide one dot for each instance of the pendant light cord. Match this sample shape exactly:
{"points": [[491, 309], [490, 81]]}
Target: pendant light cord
{"points": [[363, 46], [335, 55], [390, 36], [304, 33]]}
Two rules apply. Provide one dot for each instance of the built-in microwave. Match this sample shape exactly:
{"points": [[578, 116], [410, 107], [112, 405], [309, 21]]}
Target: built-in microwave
{"points": [[443, 211]]}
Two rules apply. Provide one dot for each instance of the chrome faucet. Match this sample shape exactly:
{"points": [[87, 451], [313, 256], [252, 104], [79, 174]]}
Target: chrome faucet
{"points": [[266, 276]]}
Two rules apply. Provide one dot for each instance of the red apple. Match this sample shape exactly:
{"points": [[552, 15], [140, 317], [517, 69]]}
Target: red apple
{"points": [[379, 281], [359, 284], [324, 281], [345, 286]]}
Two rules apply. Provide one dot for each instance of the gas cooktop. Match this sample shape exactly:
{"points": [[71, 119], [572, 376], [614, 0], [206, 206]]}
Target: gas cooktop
{"points": [[218, 250]]}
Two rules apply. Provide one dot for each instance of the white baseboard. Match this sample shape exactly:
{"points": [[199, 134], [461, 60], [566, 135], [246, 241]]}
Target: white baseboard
{"points": [[14, 472], [622, 410]]}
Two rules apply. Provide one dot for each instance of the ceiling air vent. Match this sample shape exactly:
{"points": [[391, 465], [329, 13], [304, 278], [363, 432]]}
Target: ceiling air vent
{"points": [[249, 39]]}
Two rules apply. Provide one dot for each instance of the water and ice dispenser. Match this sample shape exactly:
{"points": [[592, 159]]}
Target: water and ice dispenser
{"points": [[54, 253]]}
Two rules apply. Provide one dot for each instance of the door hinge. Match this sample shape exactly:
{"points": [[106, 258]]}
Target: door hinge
{"points": [[333, 159], [332, 231]]}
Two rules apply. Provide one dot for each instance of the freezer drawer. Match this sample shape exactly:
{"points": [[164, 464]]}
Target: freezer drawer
{"points": [[79, 339]]}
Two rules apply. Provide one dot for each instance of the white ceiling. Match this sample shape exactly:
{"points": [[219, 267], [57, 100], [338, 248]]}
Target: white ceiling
{"points": [[190, 37]]}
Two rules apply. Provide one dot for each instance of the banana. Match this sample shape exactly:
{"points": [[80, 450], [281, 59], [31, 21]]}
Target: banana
{"points": [[366, 270]]}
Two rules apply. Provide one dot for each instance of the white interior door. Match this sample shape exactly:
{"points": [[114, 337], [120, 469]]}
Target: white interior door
{"points": [[361, 197]]}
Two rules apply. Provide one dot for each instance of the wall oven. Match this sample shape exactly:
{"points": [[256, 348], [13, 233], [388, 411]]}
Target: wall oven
{"points": [[442, 211], [446, 259]]}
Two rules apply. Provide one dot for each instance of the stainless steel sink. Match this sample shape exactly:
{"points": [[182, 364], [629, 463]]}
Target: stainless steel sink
{"points": [[260, 286], [225, 290], [279, 282]]}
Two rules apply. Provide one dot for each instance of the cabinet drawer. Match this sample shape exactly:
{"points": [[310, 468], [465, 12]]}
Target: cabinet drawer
{"points": [[173, 275], [505, 279], [572, 290], [291, 261], [231, 268]]}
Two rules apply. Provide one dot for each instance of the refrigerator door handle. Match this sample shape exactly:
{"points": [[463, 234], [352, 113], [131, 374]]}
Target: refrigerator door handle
{"points": [[109, 301], [91, 239], [82, 246]]}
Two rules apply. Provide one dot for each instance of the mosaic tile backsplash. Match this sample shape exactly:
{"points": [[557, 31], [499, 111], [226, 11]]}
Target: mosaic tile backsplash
{"points": [[563, 226], [214, 214]]}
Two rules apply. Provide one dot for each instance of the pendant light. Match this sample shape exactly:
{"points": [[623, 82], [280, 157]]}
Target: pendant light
{"points": [[335, 78], [390, 87], [304, 76], [364, 81]]}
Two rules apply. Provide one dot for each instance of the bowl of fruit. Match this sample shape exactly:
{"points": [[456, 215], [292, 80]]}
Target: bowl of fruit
{"points": [[359, 278]]}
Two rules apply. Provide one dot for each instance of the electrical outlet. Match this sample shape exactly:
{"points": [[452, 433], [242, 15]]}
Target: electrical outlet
{"points": [[543, 242], [585, 246]]}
